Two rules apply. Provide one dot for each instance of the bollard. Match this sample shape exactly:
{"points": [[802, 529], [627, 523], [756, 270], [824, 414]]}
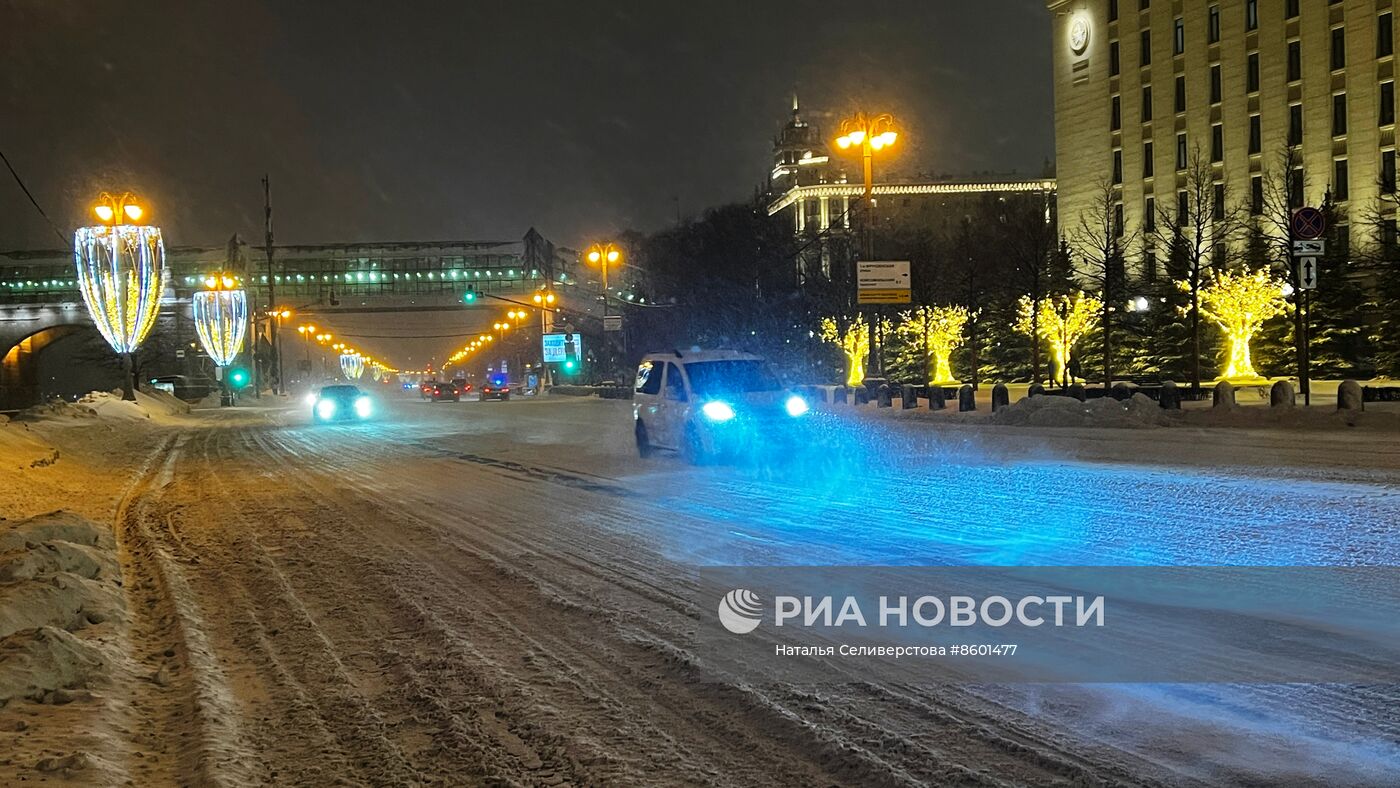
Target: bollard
{"points": [[1076, 390], [910, 396], [1170, 398], [882, 395], [838, 395], [1281, 395], [862, 396], [1121, 391], [1000, 397], [967, 400], [936, 399], [1349, 396], [1224, 395], [1035, 390]]}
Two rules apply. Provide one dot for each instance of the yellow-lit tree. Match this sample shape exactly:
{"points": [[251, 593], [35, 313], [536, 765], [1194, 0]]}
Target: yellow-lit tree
{"points": [[854, 341], [1063, 321], [938, 330], [1240, 302]]}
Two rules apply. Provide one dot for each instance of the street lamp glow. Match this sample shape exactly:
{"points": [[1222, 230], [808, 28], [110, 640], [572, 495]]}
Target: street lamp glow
{"points": [[104, 212]]}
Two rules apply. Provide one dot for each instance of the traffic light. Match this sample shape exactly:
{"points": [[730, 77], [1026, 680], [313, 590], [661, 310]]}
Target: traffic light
{"points": [[570, 366], [469, 297], [238, 377]]}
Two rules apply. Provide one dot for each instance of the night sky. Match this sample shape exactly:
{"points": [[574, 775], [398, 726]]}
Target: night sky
{"points": [[475, 120]]}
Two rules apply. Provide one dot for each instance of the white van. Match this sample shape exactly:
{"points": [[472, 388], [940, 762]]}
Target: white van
{"points": [[712, 403]]}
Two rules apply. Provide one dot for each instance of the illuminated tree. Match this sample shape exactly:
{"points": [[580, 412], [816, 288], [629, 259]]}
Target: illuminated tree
{"points": [[854, 341], [1061, 322], [1240, 303], [937, 331]]}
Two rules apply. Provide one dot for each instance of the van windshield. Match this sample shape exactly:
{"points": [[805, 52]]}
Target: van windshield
{"points": [[709, 378]]}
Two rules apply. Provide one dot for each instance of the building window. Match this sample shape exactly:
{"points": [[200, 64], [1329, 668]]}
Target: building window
{"points": [[1387, 103], [1217, 202], [1149, 266], [1339, 114], [1385, 35], [1146, 103], [1179, 37], [1341, 189], [1295, 124], [1113, 58], [1149, 215], [1213, 24], [1295, 188], [1145, 53], [1256, 194], [1181, 151], [1251, 72], [1339, 48], [1290, 9], [1143, 4], [1117, 167], [1181, 94], [1113, 10], [1217, 143], [1118, 220], [1147, 160], [1215, 83], [1251, 14], [1183, 208], [1388, 171], [1343, 234], [1256, 136], [1115, 114], [1388, 233], [1295, 61]]}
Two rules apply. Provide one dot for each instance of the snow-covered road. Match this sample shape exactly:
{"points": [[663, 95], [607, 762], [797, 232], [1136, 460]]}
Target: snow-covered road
{"points": [[459, 593]]}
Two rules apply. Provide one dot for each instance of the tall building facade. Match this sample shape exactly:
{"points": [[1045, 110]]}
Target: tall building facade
{"points": [[1142, 87]]}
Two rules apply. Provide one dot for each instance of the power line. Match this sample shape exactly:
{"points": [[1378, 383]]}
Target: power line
{"points": [[61, 237]]}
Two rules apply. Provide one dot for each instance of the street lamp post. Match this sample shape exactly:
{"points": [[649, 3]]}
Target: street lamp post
{"points": [[871, 133], [545, 300], [603, 255]]}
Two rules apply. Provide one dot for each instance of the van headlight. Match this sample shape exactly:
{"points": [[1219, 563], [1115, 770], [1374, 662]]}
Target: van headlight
{"points": [[363, 407], [717, 411], [796, 406], [325, 408]]}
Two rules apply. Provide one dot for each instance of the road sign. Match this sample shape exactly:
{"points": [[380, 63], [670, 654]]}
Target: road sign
{"points": [[882, 282], [1309, 248], [1307, 272], [1308, 223], [557, 347], [612, 322]]}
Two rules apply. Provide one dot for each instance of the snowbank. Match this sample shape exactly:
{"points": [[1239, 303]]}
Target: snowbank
{"points": [[1054, 411], [58, 578], [109, 406]]}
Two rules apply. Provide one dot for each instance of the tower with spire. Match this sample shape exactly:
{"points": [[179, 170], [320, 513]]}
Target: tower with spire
{"points": [[800, 156]]}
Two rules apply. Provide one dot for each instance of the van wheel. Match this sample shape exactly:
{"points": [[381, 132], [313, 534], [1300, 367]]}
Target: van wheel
{"points": [[693, 448], [644, 447]]}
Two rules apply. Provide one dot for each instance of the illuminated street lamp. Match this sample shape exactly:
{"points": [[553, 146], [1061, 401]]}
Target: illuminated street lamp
{"points": [[869, 133], [221, 319], [121, 273], [604, 255]]}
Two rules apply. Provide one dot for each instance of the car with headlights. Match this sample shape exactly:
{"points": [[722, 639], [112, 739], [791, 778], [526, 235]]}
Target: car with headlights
{"points": [[713, 404], [341, 403], [441, 392]]}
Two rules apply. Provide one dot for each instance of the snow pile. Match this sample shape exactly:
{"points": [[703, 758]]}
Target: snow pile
{"points": [[109, 406], [1055, 411], [58, 578], [20, 448]]}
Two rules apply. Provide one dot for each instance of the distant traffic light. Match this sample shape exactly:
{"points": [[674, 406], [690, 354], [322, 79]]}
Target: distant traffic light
{"points": [[238, 377], [469, 297], [570, 366]]}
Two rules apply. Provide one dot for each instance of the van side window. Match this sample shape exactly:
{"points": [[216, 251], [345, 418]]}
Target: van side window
{"points": [[649, 378], [675, 386]]}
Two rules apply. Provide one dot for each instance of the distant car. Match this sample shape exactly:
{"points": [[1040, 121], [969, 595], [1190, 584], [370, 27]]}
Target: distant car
{"points": [[425, 388], [713, 404], [495, 387], [341, 403], [462, 386], [441, 392]]}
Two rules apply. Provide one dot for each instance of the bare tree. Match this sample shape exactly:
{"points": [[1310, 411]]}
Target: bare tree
{"points": [[1097, 243], [1032, 243], [1200, 229], [1283, 188]]}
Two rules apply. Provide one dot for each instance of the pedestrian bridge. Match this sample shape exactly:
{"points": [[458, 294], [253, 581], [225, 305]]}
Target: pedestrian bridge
{"points": [[40, 302]]}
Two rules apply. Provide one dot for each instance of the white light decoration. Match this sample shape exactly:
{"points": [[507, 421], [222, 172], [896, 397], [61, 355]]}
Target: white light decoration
{"points": [[221, 320], [352, 365], [121, 274]]}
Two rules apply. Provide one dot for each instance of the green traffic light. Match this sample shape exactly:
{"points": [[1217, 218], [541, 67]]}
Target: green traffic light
{"points": [[238, 377], [569, 365], [469, 297]]}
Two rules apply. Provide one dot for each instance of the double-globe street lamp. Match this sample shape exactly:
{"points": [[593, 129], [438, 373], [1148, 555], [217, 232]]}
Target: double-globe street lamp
{"points": [[603, 255], [870, 134]]}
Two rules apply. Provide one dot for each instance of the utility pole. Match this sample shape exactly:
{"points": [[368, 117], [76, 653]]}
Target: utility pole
{"points": [[271, 284]]}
